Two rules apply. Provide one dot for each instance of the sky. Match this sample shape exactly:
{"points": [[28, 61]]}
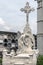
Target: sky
{"points": [[12, 19]]}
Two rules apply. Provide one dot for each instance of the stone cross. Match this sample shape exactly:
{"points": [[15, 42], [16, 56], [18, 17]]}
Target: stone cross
{"points": [[27, 9]]}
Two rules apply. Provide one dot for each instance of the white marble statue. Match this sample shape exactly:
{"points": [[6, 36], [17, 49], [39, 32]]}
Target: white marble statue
{"points": [[26, 53], [26, 41]]}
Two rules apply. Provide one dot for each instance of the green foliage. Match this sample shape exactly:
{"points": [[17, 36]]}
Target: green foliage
{"points": [[40, 60], [0, 60]]}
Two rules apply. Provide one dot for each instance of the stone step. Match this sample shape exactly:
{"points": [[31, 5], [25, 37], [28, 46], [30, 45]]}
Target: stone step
{"points": [[18, 63]]}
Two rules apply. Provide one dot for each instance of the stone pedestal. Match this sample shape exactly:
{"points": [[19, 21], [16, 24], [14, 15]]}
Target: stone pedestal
{"points": [[20, 59]]}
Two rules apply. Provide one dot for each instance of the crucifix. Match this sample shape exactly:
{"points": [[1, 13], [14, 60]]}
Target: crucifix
{"points": [[27, 9]]}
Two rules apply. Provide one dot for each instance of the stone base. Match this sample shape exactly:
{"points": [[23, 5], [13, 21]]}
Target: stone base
{"points": [[21, 59]]}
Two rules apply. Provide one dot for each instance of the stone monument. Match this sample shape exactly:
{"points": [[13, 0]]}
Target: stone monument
{"points": [[26, 53]]}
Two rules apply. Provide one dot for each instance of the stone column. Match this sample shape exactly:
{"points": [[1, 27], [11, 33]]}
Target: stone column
{"points": [[40, 26]]}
